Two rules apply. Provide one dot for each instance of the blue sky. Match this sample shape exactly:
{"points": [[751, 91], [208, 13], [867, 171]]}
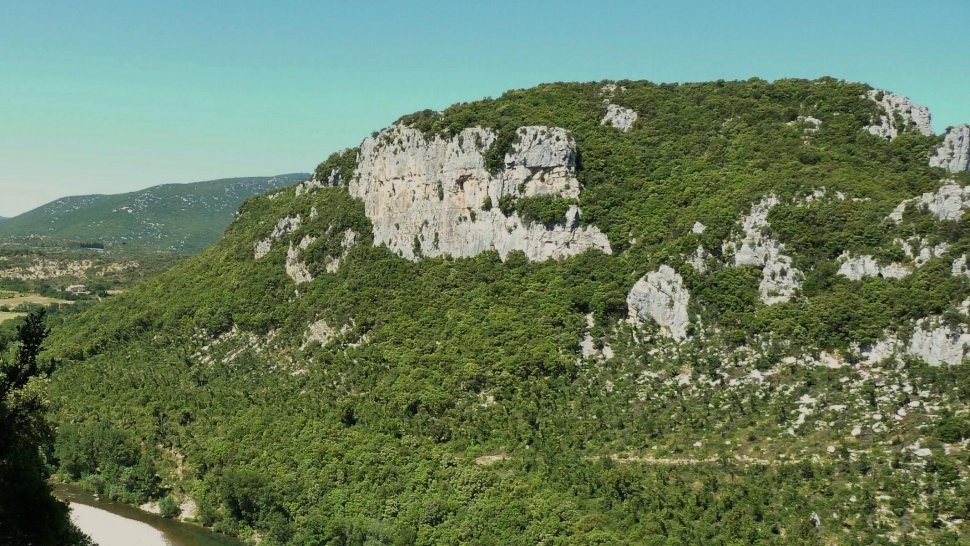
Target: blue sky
{"points": [[111, 96]]}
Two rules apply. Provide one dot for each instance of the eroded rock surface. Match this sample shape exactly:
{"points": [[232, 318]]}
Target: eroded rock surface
{"points": [[954, 154], [619, 117], [779, 279], [433, 197], [911, 116], [946, 203], [661, 296], [859, 267], [284, 226], [937, 343]]}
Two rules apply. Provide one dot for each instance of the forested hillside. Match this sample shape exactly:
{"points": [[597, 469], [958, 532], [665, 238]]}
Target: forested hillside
{"points": [[601, 313], [181, 218]]}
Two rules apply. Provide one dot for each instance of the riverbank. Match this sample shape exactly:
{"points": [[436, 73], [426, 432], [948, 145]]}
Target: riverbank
{"points": [[111, 523]]}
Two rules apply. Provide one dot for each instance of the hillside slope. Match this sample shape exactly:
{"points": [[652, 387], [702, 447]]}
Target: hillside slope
{"points": [[182, 218], [603, 313]]}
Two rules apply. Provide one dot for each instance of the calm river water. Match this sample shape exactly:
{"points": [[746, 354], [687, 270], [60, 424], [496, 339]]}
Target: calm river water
{"points": [[115, 524]]}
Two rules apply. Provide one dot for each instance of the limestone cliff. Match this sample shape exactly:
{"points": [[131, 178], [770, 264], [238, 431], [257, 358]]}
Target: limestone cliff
{"points": [[954, 154], [433, 196], [661, 296], [901, 114]]}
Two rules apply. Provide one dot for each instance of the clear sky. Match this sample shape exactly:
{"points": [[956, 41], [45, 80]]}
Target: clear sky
{"points": [[112, 96]]}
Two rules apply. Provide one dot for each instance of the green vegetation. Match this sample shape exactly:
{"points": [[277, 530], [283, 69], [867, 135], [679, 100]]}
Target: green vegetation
{"points": [[29, 514], [179, 218], [451, 401]]}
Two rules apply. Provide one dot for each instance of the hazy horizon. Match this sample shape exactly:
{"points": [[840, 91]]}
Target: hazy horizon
{"points": [[112, 98]]}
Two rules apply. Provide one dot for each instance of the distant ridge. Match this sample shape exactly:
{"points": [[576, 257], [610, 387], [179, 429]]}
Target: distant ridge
{"points": [[181, 218]]}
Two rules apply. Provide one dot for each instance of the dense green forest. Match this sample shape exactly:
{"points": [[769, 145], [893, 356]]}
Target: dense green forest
{"points": [[28, 512], [450, 401]]}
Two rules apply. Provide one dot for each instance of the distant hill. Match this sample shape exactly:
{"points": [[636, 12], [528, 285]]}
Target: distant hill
{"points": [[182, 218]]}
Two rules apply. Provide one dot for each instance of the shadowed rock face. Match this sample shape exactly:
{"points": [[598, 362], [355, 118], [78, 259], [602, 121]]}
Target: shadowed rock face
{"points": [[954, 154], [434, 196]]}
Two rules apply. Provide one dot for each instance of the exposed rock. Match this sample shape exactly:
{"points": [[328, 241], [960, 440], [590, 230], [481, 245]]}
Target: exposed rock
{"points": [[425, 197], [960, 266], [779, 279], [810, 124], [348, 241], [947, 203], [938, 343], [698, 259], [661, 296], [912, 116], [295, 267], [188, 510], [619, 117], [859, 267], [283, 227], [332, 180], [319, 332], [920, 251], [954, 154], [698, 228]]}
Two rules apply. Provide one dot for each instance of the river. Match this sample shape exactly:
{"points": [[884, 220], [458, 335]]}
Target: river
{"points": [[115, 524]]}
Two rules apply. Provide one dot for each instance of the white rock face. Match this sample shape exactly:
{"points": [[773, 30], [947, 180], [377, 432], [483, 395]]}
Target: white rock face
{"points": [[661, 296], [947, 203], [619, 117], [859, 267], [920, 251], [285, 226], [913, 116], [779, 279], [698, 259], [426, 197], [698, 228], [295, 267], [960, 266], [938, 344], [954, 154], [347, 242]]}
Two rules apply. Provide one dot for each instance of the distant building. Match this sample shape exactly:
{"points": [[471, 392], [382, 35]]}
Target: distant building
{"points": [[77, 289]]}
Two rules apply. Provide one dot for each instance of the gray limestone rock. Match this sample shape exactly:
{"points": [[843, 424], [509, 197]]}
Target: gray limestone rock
{"points": [[619, 117], [430, 196], [954, 154], [911, 116], [661, 296], [753, 248]]}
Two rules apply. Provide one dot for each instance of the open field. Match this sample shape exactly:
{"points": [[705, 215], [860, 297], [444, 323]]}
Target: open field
{"points": [[12, 301], [5, 316]]}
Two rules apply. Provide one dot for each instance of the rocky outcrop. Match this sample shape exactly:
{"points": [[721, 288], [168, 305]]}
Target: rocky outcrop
{"points": [[960, 266], [859, 267], [346, 243], [954, 154], [283, 227], [434, 196], [920, 250], [779, 279], [661, 296], [295, 267], [946, 203], [901, 114], [938, 343], [619, 117]]}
